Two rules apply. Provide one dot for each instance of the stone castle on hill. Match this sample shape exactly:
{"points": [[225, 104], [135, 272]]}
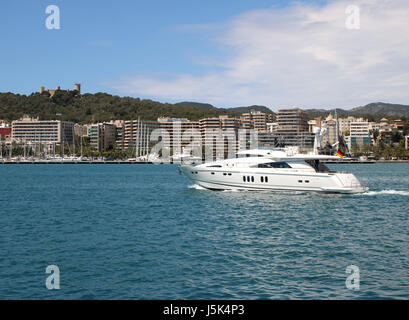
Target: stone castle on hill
{"points": [[77, 87]]}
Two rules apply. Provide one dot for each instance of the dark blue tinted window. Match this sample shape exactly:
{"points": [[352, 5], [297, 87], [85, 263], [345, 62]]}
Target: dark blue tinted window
{"points": [[274, 165]]}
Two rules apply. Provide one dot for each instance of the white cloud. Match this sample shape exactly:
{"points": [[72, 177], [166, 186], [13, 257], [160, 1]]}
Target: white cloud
{"points": [[302, 55]]}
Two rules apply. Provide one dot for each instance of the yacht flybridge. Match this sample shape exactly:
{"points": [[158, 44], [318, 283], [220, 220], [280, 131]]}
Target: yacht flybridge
{"points": [[273, 170]]}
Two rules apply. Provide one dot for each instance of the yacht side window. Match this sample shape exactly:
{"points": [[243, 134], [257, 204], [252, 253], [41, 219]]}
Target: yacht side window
{"points": [[280, 165]]}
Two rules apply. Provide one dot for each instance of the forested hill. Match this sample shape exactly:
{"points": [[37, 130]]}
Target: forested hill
{"points": [[372, 111], [101, 107], [240, 110], [384, 109]]}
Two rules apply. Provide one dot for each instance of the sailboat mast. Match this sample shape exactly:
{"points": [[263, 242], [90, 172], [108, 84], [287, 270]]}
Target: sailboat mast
{"points": [[62, 139], [137, 139], [336, 128], [73, 140], [144, 140], [147, 140]]}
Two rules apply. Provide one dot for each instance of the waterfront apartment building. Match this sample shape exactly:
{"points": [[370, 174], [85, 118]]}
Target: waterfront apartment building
{"points": [[136, 135], [102, 136], [385, 126], [344, 124], [42, 131], [374, 126], [359, 134], [120, 134], [314, 124], [220, 133], [272, 127], [293, 128], [181, 133], [81, 130], [398, 124], [256, 120], [330, 124]]}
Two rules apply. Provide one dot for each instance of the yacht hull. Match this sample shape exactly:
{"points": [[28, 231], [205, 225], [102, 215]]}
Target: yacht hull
{"points": [[344, 183]]}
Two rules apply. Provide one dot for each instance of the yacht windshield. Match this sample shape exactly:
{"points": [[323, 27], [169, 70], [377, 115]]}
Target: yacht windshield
{"points": [[318, 166]]}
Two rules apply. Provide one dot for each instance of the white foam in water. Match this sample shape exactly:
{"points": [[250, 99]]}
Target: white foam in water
{"points": [[197, 187], [395, 192], [369, 193]]}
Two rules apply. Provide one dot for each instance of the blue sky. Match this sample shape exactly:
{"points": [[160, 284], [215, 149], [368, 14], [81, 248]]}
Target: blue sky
{"points": [[132, 47], [101, 40]]}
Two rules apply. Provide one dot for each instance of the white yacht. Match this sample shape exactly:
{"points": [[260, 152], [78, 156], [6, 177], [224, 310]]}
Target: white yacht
{"points": [[275, 170]]}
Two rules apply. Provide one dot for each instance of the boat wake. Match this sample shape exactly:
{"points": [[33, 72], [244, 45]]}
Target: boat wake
{"points": [[196, 187], [385, 192]]}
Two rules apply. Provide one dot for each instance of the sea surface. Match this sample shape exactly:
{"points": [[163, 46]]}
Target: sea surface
{"points": [[146, 232]]}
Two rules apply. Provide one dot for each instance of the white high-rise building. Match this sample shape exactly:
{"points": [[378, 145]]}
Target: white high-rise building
{"points": [[42, 131]]}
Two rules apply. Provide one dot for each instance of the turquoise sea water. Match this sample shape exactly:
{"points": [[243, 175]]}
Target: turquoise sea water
{"points": [[146, 232]]}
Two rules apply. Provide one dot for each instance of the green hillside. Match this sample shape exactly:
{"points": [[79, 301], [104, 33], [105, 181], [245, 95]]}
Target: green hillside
{"points": [[97, 108], [372, 111]]}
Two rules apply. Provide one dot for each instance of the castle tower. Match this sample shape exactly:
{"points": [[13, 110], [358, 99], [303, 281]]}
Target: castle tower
{"points": [[77, 87], [42, 89]]}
